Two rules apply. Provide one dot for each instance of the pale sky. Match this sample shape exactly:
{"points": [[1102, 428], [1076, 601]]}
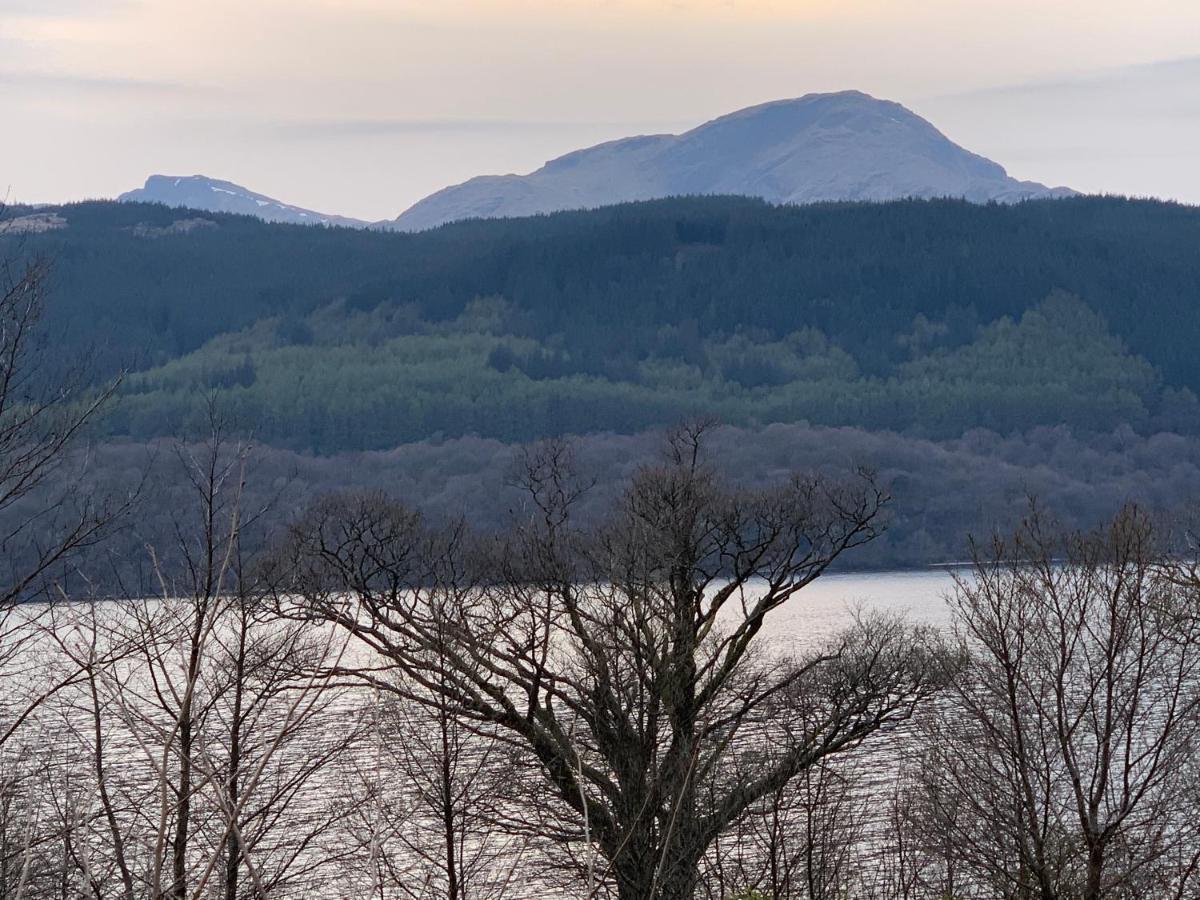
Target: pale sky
{"points": [[361, 107]]}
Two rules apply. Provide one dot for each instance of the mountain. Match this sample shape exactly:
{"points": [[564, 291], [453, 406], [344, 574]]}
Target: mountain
{"points": [[845, 146], [212, 195], [820, 147]]}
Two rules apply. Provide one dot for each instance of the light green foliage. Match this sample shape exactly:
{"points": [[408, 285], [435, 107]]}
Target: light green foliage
{"points": [[473, 375]]}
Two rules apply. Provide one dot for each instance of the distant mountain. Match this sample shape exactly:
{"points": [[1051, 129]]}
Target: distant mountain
{"points": [[201, 192], [821, 147]]}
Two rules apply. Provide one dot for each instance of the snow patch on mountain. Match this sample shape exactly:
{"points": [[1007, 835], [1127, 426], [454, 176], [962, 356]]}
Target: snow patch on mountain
{"points": [[212, 195]]}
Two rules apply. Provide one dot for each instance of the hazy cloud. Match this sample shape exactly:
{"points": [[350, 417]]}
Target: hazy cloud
{"points": [[383, 127], [57, 8], [96, 83], [1129, 129], [1156, 86]]}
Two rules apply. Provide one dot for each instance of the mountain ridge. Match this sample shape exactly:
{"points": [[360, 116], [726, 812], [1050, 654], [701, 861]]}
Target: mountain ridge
{"points": [[819, 147], [844, 146], [215, 195]]}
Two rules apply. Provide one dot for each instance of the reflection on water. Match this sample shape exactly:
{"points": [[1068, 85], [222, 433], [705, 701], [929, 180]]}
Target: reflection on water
{"points": [[364, 798], [827, 605]]}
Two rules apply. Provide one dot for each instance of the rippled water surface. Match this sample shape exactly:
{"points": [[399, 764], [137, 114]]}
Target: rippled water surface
{"points": [[827, 605], [812, 616]]}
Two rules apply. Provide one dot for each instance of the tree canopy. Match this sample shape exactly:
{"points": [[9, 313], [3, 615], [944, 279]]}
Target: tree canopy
{"points": [[931, 317]]}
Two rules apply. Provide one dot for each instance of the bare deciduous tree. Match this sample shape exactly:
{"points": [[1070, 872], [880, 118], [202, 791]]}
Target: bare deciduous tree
{"points": [[207, 707], [799, 842], [1057, 767], [623, 659], [428, 794], [45, 520]]}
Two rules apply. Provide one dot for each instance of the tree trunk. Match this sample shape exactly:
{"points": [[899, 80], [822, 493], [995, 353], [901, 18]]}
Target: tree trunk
{"points": [[233, 849], [1095, 871], [633, 856], [105, 798], [453, 888], [183, 816], [634, 870], [642, 872], [679, 884]]}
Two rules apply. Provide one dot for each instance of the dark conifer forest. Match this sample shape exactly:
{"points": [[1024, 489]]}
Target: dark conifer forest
{"points": [[869, 330], [925, 317]]}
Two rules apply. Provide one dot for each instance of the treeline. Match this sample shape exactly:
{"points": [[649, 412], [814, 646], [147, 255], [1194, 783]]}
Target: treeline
{"points": [[944, 491], [928, 317]]}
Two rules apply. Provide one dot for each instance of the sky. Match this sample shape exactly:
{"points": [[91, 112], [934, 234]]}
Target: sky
{"points": [[362, 107]]}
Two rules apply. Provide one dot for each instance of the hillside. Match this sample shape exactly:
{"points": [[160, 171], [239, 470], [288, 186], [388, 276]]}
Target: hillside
{"points": [[924, 317], [821, 147]]}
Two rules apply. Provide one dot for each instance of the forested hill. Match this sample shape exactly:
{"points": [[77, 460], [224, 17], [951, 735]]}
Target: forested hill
{"points": [[925, 316]]}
